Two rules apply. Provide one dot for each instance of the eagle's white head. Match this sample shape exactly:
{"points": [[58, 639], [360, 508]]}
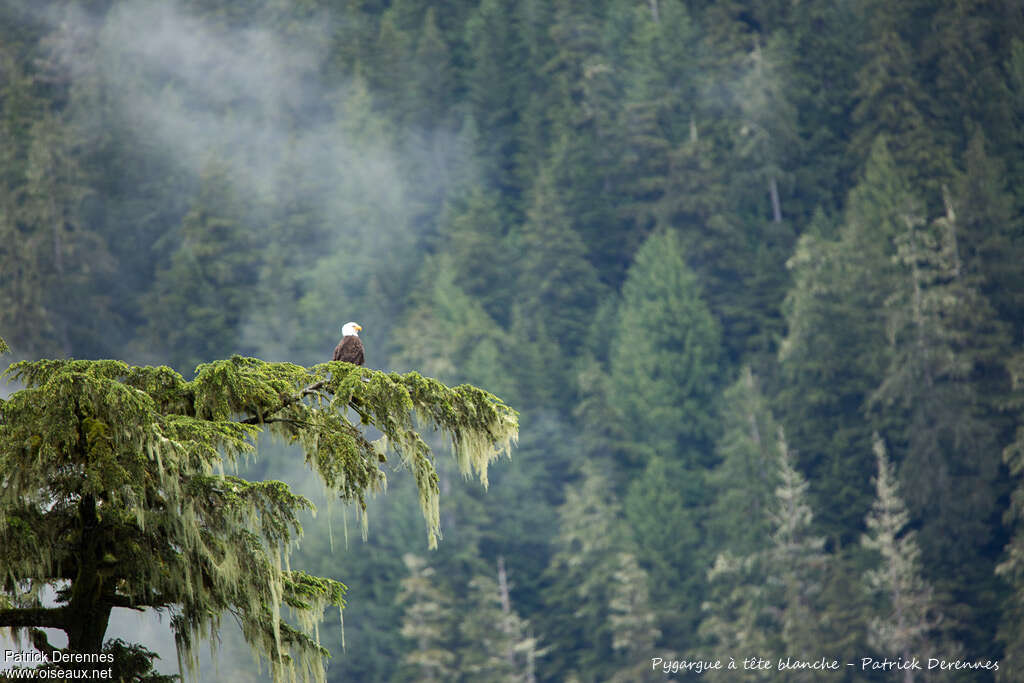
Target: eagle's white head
{"points": [[351, 329]]}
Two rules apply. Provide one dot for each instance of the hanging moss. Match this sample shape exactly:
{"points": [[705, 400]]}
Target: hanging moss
{"points": [[112, 479]]}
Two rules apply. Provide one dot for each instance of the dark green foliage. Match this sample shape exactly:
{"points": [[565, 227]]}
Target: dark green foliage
{"points": [[602, 211], [200, 297], [669, 500], [670, 361], [113, 481]]}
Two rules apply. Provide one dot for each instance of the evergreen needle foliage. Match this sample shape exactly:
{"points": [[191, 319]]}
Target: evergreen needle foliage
{"points": [[113, 491]]}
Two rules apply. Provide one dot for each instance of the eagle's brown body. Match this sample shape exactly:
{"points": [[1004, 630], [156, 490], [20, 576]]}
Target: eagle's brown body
{"points": [[349, 349]]}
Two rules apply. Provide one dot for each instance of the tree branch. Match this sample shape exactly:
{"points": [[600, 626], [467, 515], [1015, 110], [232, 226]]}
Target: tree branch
{"points": [[116, 600], [295, 398], [26, 617], [41, 642]]}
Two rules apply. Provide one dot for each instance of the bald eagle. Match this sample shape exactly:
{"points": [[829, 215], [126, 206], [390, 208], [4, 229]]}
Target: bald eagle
{"points": [[350, 348]]}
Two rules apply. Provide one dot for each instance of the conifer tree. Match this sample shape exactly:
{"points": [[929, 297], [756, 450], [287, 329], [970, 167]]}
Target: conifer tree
{"points": [[632, 618], [768, 133], [202, 295], [112, 492], [986, 227], [833, 356], [433, 78], [769, 601], [942, 331], [559, 285], [1011, 569], [55, 258], [497, 644], [495, 93], [428, 622], [893, 101], [797, 558], [746, 477], [581, 577], [670, 500], [740, 612], [907, 618], [671, 362]]}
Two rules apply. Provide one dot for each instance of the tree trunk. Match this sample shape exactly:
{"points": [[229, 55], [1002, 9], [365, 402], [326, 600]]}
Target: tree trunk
{"points": [[773, 189], [87, 612]]}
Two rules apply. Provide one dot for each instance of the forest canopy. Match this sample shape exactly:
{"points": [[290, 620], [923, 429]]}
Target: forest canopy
{"points": [[750, 272]]}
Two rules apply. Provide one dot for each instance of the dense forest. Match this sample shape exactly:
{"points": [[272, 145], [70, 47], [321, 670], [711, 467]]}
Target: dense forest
{"points": [[749, 271]]}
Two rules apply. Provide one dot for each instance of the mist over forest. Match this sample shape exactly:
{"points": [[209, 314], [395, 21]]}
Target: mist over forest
{"points": [[750, 271]]}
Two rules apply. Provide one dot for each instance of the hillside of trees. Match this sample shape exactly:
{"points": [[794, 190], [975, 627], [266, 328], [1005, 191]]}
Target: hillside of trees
{"points": [[750, 271]]}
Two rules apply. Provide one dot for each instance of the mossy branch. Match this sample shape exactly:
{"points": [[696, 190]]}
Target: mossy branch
{"points": [[167, 527]]}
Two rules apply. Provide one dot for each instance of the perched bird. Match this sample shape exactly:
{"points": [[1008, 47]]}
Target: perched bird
{"points": [[350, 348]]}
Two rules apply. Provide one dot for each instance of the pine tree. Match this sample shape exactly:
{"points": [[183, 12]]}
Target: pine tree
{"points": [[907, 617], [112, 491]]}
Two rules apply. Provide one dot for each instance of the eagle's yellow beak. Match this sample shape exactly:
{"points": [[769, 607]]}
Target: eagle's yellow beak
{"points": [[359, 328]]}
